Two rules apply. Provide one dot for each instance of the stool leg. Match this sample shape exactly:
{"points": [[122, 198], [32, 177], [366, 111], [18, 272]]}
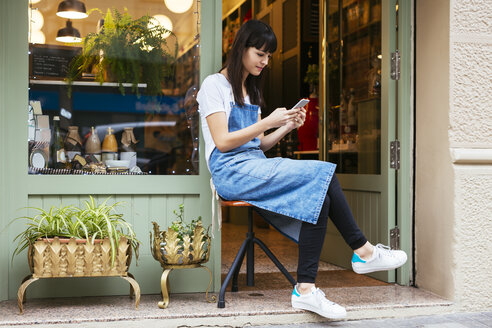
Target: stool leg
{"points": [[234, 287], [275, 261], [250, 259], [240, 254]]}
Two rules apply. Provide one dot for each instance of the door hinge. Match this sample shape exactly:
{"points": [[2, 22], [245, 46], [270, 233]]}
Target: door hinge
{"points": [[395, 154], [395, 238], [395, 65]]}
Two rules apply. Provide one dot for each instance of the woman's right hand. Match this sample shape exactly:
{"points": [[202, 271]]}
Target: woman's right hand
{"points": [[281, 116]]}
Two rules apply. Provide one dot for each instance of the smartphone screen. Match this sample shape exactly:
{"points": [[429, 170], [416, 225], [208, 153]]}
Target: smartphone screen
{"points": [[300, 103]]}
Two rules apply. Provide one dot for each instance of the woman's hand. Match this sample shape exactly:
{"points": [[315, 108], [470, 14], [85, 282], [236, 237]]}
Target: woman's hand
{"points": [[298, 120], [281, 117]]}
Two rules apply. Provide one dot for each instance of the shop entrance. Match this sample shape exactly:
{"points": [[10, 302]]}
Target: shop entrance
{"points": [[339, 54]]}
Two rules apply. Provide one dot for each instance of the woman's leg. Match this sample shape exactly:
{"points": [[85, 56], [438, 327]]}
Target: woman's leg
{"points": [[312, 236]]}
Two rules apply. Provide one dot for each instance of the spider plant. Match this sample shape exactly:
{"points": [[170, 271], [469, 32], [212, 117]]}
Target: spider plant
{"points": [[101, 222], [93, 221]]}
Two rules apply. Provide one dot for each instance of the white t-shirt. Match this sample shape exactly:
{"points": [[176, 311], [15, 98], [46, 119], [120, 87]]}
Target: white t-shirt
{"points": [[215, 95]]}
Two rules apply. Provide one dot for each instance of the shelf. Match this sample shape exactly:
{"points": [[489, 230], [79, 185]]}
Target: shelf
{"points": [[86, 83], [345, 35]]}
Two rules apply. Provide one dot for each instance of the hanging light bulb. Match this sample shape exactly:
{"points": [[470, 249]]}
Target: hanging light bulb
{"points": [[71, 9], [36, 19], [178, 6], [163, 21], [37, 37], [68, 34]]}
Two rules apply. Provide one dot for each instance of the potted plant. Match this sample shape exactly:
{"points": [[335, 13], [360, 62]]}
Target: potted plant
{"points": [[183, 245], [68, 241], [126, 50]]}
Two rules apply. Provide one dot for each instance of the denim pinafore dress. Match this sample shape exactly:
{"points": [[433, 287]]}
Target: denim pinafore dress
{"points": [[285, 191]]}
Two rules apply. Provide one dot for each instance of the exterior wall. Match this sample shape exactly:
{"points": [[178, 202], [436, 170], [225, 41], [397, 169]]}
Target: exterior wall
{"points": [[434, 211], [454, 150], [470, 139]]}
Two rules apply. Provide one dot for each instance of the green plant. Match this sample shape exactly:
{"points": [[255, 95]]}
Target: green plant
{"points": [[129, 50], [181, 227], [94, 221], [312, 77]]}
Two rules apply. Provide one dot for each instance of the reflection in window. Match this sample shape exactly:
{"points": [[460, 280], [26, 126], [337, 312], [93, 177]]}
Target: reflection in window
{"points": [[354, 86], [114, 92]]}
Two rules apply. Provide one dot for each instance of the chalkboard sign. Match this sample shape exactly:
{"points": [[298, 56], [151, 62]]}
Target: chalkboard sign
{"points": [[50, 61]]}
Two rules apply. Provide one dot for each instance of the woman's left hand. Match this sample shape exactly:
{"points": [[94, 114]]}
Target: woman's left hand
{"points": [[298, 120]]}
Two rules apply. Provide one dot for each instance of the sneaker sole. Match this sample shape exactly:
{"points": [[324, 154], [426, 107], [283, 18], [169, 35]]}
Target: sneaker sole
{"points": [[312, 309], [370, 270]]}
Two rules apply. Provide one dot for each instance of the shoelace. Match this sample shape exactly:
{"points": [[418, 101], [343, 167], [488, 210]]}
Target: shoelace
{"points": [[385, 249], [320, 295]]}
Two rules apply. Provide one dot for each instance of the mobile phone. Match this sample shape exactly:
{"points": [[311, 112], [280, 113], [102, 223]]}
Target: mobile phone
{"points": [[301, 103]]}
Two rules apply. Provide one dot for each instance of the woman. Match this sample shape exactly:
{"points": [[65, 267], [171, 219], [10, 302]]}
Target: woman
{"points": [[294, 196]]}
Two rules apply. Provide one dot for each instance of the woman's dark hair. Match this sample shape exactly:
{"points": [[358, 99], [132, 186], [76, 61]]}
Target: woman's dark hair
{"points": [[253, 33]]}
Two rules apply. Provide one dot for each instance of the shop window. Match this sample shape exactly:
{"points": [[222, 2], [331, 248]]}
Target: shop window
{"points": [[354, 86], [112, 89]]}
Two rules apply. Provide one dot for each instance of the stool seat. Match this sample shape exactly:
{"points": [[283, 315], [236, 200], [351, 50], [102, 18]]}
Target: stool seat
{"points": [[234, 203], [247, 248]]}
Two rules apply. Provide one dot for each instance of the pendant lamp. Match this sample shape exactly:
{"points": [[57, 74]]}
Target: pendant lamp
{"points": [[178, 6], [71, 9], [68, 34]]}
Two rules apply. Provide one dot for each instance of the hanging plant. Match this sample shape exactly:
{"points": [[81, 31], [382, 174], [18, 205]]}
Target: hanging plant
{"points": [[127, 50]]}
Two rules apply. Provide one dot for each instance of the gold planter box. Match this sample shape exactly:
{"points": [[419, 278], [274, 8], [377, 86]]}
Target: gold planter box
{"points": [[175, 253], [62, 258]]}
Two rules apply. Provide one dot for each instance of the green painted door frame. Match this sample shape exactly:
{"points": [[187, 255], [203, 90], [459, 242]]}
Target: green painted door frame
{"points": [[18, 189]]}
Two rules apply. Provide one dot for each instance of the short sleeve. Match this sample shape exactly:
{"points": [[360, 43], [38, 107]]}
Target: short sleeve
{"points": [[210, 97]]}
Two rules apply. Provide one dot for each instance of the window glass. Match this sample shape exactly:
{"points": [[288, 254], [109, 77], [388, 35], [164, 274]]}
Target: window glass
{"points": [[112, 86], [354, 86]]}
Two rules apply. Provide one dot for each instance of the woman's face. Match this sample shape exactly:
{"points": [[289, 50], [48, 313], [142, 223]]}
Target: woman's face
{"points": [[254, 60]]}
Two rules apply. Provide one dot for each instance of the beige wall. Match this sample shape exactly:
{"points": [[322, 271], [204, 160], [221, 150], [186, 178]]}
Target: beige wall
{"points": [[454, 150]]}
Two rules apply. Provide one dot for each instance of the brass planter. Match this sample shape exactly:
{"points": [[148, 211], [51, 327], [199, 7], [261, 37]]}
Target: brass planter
{"points": [[173, 253], [61, 258]]}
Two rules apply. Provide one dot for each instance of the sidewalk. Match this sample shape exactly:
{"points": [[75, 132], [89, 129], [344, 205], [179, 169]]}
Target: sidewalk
{"points": [[455, 320]]}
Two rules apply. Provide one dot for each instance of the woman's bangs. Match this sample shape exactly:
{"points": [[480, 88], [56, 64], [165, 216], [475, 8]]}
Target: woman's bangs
{"points": [[265, 41]]}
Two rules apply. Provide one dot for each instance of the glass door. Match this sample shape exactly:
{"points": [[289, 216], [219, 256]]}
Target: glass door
{"points": [[360, 116]]}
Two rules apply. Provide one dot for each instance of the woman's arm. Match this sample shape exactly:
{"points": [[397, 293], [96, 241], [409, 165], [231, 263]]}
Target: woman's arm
{"points": [[225, 140]]}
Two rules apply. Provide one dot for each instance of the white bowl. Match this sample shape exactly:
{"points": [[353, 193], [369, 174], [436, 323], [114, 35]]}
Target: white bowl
{"points": [[117, 163]]}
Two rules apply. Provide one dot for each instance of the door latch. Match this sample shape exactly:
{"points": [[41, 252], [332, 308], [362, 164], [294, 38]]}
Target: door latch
{"points": [[395, 154], [395, 65]]}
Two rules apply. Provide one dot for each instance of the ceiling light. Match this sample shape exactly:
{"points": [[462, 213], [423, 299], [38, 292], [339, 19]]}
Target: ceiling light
{"points": [[71, 9], [163, 21], [36, 19], [178, 6], [37, 37], [68, 34]]}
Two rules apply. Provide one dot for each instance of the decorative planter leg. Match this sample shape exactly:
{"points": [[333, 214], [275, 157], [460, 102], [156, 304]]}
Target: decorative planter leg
{"points": [[134, 287], [212, 299], [165, 289], [20, 293]]}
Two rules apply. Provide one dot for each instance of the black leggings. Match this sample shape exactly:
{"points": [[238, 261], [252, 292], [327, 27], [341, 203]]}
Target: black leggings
{"points": [[311, 236]]}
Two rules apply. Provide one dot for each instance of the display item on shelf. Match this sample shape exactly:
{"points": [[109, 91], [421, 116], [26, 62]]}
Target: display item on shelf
{"points": [[73, 143], [129, 147], [58, 156], [93, 145], [109, 146]]}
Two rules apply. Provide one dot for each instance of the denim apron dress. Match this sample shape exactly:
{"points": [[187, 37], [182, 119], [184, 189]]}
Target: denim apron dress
{"points": [[285, 192]]}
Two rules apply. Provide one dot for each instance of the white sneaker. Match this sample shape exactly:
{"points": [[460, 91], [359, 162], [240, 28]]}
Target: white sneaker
{"points": [[383, 259], [315, 301]]}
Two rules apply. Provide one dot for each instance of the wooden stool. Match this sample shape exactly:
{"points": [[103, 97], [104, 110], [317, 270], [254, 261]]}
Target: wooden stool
{"points": [[247, 247]]}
